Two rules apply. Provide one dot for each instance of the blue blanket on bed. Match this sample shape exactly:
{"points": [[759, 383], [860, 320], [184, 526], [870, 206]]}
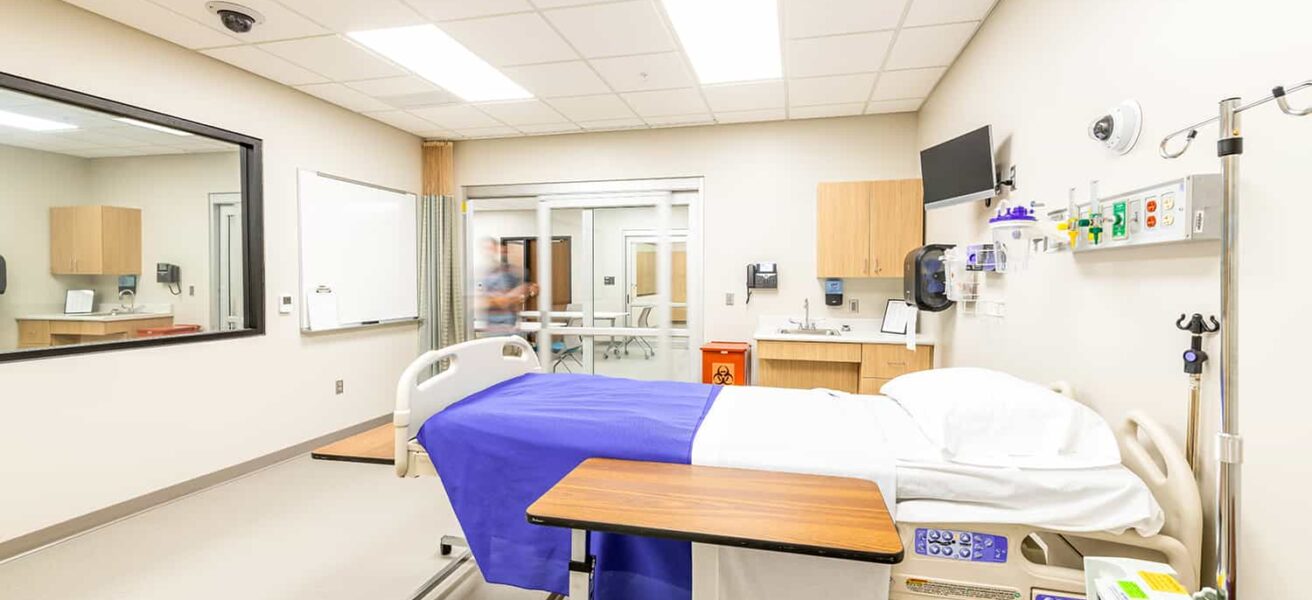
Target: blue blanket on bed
{"points": [[500, 449]]}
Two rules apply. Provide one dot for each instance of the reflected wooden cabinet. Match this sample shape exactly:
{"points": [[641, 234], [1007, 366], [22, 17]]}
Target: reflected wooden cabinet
{"points": [[95, 240], [866, 228]]}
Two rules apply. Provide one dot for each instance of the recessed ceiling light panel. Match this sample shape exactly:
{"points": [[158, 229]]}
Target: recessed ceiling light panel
{"points": [[18, 121], [432, 54], [153, 126], [729, 40]]}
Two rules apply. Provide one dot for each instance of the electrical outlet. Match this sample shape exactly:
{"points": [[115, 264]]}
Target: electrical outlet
{"points": [[728, 298], [341, 386], [854, 305], [192, 290]]}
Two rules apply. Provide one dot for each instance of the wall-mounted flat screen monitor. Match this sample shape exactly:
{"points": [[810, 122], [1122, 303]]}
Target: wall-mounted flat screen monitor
{"points": [[959, 170]]}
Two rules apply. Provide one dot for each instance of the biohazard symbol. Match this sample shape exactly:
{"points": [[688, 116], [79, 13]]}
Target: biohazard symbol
{"points": [[723, 374]]}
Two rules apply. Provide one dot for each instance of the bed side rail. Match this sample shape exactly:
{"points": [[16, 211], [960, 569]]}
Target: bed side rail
{"points": [[471, 366], [1171, 482]]}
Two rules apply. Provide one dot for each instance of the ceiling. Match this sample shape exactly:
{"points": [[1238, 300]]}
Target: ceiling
{"points": [[591, 65], [97, 134]]}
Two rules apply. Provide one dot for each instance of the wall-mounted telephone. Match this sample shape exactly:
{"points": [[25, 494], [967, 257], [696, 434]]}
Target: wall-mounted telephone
{"points": [[169, 274], [761, 276]]}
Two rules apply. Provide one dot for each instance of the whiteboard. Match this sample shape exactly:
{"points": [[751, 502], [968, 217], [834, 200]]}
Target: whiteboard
{"points": [[359, 253]]}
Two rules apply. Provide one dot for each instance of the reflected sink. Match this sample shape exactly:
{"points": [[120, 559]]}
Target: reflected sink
{"points": [[799, 331]]}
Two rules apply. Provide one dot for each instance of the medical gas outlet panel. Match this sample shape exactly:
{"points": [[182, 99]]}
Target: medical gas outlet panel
{"points": [[968, 546], [1181, 210]]}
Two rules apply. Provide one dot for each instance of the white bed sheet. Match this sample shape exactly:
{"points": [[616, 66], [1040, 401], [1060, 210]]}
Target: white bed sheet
{"points": [[800, 431]]}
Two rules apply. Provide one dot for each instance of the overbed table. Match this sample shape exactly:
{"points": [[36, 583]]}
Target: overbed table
{"points": [[836, 517]]}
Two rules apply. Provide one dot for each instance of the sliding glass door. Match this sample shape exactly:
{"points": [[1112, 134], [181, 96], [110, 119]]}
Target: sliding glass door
{"points": [[612, 298]]}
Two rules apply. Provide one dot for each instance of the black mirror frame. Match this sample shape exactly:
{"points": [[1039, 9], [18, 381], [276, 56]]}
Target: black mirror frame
{"points": [[252, 188]]}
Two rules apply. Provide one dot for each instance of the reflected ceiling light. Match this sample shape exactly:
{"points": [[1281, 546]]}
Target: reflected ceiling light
{"points": [[9, 119], [153, 126], [432, 54], [729, 40]]}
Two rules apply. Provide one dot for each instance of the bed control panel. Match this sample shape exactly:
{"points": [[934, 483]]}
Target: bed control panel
{"points": [[961, 545]]}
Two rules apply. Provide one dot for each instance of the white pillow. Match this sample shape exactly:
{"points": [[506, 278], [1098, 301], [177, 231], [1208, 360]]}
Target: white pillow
{"points": [[985, 417]]}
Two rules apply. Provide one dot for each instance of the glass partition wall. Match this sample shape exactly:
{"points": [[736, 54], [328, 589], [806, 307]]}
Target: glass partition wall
{"points": [[613, 295], [122, 227]]}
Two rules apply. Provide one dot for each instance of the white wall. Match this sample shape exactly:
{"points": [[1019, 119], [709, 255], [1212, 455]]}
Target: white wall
{"points": [[1039, 72], [760, 185], [31, 182], [172, 192], [79, 433]]}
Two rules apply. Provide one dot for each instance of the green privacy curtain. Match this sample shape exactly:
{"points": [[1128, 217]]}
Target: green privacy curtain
{"points": [[441, 273]]}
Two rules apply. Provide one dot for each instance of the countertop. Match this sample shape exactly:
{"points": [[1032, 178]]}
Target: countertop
{"points": [[97, 317], [863, 331]]}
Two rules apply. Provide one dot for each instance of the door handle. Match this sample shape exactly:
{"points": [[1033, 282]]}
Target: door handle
{"points": [[865, 266], [876, 264], [897, 364]]}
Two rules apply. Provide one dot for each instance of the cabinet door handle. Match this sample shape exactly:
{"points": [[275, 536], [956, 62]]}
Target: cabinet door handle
{"points": [[865, 266], [897, 364], [876, 264]]}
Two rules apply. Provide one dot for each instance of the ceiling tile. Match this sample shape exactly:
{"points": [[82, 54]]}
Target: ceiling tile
{"points": [[644, 72], [560, 3], [839, 54], [433, 98], [344, 96], [614, 29], [456, 117], [916, 83], [935, 46], [489, 132], [392, 86], [751, 116], [934, 12], [592, 108], [279, 23], [611, 124], [511, 39], [265, 65], [894, 106], [808, 18], [439, 134], [681, 120], [403, 120], [830, 110], [531, 112], [158, 22], [745, 96], [333, 57], [829, 90], [549, 128], [666, 102], [355, 15], [443, 10], [558, 79]]}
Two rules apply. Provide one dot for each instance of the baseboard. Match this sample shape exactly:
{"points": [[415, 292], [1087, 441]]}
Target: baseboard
{"points": [[40, 538]]}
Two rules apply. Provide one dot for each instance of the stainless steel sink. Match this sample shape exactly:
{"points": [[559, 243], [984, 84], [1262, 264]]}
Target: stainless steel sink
{"points": [[800, 331]]}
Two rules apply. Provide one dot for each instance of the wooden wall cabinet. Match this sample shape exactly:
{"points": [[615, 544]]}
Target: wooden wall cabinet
{"points": [[95, 240], [866, 228]]}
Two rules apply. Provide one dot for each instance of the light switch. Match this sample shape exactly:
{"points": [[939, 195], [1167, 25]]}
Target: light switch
{"points": [[728, 299]]}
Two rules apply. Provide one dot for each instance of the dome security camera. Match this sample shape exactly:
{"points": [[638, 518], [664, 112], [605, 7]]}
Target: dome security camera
{"points": [[235, 17], [1119, 128]]}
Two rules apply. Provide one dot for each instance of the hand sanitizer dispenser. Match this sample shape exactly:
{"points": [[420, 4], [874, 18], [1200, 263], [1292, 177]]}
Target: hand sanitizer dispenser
{"points": [[833, 292]]}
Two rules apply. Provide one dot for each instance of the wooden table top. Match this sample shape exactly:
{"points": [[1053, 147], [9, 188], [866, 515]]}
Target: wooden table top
{"points": [[836, 517], [373, 446]]}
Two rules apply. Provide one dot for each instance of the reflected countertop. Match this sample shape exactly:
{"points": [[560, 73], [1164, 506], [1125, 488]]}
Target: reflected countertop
{"points": [[100, 317], [860, 331]]}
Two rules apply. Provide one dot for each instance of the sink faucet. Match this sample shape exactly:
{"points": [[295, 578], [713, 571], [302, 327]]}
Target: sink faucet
{"points": [[806, 323], [130, 308]]}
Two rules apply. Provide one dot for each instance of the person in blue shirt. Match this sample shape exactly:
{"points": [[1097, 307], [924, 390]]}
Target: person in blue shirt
{"points": [[503, 292]]}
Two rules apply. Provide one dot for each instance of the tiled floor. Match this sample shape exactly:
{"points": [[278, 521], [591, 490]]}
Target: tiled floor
{"points": [[303, 529]]}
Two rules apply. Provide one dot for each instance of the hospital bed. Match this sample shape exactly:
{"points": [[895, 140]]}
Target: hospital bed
{"points": [[1038, 560]]}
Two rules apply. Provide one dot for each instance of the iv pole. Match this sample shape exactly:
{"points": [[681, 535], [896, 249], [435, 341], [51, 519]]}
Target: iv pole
{"points": [[1229, 447]]}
